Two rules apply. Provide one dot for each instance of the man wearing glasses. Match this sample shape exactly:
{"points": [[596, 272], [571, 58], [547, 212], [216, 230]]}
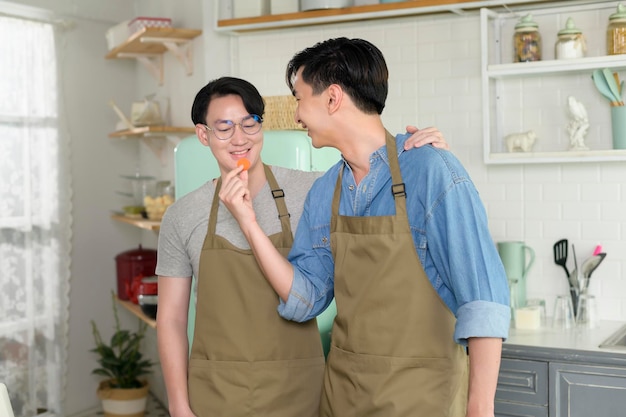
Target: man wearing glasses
{"points": [[245, 359]]}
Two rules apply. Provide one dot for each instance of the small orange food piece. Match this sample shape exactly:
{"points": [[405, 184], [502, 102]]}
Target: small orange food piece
{"points": [[245, 163]]}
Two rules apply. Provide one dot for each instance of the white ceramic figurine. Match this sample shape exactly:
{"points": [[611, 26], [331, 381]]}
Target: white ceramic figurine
{"points": [[520, 142], [578, 124]]}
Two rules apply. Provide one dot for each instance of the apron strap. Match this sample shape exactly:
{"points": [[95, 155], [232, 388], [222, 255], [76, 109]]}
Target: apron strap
{"points": [[215, 204], [279, 199]]}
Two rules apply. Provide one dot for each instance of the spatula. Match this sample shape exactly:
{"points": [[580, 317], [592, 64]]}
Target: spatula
{"points": [[560, 254]]}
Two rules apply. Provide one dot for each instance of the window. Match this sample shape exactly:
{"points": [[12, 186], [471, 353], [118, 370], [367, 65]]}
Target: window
{"points": [[34, 218]]}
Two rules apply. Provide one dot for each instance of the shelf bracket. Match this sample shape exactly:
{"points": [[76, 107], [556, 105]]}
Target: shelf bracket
{"points": [[158, 145], [181, 48], [152, 62]]}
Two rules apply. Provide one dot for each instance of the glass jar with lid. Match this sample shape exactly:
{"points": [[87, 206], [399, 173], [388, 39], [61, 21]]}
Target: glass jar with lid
{"points": [[527, 40], [616, 32], [570, 43]]}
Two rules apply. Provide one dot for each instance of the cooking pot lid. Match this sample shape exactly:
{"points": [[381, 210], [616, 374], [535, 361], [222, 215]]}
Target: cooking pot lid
{"points": [[137, 254]]}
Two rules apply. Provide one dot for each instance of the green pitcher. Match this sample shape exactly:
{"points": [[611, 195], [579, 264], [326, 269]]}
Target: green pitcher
{"points": [[517, 258]]}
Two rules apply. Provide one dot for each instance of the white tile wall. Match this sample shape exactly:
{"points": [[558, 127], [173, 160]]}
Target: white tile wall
{"points": [[434, 63]]}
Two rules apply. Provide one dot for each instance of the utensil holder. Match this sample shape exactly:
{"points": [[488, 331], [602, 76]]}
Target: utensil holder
{"points": [[618, 125]]}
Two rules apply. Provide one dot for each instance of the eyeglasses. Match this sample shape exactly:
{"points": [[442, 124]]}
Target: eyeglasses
{"points": [[225, 129]]}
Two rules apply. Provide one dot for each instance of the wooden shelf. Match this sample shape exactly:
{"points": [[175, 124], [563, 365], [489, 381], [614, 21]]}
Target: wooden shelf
{"points": [[136, 310], [151, 41], [147, 131], [149, 44], [146, 224], [358, 13]]}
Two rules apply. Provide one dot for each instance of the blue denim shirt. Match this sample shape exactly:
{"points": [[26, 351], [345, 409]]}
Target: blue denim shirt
{"points": [[450, 233]]}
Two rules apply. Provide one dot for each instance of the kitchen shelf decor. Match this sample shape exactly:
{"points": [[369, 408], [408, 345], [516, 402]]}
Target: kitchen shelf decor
{"points": [[150, 43], [519, 97]]}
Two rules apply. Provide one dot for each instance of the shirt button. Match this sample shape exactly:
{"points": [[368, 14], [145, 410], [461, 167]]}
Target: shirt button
{"points": [[351, 187], [324, 240]]}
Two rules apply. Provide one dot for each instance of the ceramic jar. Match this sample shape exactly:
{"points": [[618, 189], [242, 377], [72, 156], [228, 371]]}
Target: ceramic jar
{"points": [[570, 43], [616, 32], [527, 40]]}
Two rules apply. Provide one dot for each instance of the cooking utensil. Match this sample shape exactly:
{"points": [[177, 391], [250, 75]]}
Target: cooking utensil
{"points": [[560, 254], [574, 288], [593, 265], [610, 81], [603, 87], [589, 265], [574, 282]]}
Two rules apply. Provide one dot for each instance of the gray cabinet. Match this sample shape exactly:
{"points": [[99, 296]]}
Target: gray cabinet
{"points": [[522, 388], [548, 382], [584, 390]]}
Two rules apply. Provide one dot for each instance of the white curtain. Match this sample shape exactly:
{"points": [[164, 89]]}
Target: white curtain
{"points": [[35, 191]]}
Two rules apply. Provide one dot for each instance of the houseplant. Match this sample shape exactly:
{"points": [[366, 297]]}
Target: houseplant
{"points": [[122, 363]]}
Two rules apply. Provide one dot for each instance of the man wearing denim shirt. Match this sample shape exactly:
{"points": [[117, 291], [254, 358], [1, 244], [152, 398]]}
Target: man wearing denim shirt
{"points": [[400, 239]]}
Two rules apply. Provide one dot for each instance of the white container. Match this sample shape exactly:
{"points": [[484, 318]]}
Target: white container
{"points": [[324, 4], [141, 22], [250, 8], [284, 6], [117, 34]]}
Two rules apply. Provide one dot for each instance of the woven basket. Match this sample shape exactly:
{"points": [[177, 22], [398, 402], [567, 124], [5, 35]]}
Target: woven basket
{"points": [[279, 111]]}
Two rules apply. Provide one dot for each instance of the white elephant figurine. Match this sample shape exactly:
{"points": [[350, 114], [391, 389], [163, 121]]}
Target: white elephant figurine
{"points": [[520, 142]]}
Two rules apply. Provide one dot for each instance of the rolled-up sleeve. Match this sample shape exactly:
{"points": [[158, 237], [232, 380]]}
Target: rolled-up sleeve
{"points": [[482, 319]]}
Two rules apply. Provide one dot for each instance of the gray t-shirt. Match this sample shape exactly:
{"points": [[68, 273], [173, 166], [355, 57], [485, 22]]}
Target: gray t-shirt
{"points": [[184, 225]]}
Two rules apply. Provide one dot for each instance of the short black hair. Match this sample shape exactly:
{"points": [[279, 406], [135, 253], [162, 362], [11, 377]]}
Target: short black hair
{"points": [[356, 65], [225, 86]]}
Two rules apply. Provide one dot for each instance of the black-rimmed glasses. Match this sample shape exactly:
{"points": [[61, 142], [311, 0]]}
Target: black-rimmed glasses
{"points": [[225, 129]]}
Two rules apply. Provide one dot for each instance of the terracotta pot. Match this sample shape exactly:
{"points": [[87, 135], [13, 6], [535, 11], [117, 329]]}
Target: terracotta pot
{"points": [[118, 402]]}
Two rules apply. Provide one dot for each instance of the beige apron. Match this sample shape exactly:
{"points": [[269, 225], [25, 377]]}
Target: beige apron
{"points": [[392, 352], [245, 359]]}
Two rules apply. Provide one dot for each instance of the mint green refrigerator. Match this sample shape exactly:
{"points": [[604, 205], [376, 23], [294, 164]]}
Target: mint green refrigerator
{"points": [[194, 165]]}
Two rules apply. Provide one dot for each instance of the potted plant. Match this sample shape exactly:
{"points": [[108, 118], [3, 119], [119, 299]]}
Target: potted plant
{"points": [[123, 392]]}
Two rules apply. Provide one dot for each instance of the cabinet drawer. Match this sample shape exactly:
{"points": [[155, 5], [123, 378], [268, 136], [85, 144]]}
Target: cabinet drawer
{"points": [[523, 381], [587, 390], [510, 409]]}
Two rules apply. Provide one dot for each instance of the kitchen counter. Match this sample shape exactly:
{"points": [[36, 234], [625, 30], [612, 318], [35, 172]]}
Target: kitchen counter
{"points": [[575, 344]]}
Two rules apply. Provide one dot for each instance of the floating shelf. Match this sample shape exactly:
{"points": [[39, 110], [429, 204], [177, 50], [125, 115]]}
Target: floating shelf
{"points": [[150, 136], [136, 310], [557, 157], [146, 224], [147, 131], [555, 66], [149, 44]]}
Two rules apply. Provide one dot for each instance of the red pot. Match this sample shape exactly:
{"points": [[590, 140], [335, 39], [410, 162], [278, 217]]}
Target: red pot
{"points": [[133, 263]]}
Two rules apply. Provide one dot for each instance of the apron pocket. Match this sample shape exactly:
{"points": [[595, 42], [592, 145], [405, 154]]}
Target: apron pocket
{"points": [[288, 388], [380, 386], [219, 388], [285, 388]]}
